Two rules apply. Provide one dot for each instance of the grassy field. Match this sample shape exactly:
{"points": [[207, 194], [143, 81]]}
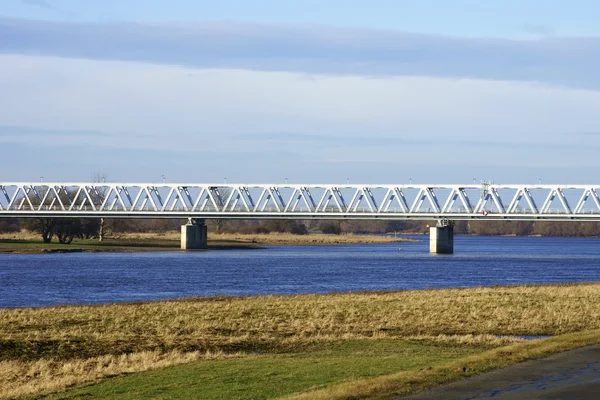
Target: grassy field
{"points": [[26, 242], [355, 345]]}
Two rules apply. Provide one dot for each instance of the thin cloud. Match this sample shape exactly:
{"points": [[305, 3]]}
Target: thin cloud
{"points": [[313, 50], [585, 134], [381, 141], [39, 3], [538, 29], [20, 131]]}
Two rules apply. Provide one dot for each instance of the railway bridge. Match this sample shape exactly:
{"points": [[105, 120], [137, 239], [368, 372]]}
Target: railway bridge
{"points": [[444, 203]]}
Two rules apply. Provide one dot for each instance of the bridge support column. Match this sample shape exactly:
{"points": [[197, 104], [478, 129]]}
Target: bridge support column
{"points": [[194, 235], [441, 238]]}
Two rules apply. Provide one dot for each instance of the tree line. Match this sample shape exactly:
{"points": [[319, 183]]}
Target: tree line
{"points": [[65, 230], [479, 227]]}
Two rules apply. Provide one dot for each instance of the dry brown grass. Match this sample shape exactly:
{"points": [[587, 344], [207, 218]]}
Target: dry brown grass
{"points": [[312, 239], [21, 235], [230, 322], [168, 235], [54, 339], [27, 235], [268, 238], [274, 238]]}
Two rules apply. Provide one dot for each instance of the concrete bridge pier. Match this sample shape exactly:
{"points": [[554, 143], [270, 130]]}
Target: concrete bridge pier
{"points": [[194, 235], [441, 238]]}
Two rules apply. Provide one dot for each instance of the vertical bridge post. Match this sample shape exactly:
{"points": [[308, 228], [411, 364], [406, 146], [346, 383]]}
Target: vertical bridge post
{"points": [[194, 235], [441, 238]]}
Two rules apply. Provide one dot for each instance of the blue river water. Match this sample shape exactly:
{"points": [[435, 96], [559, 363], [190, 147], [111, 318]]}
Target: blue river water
{"points": [[91, 278]]}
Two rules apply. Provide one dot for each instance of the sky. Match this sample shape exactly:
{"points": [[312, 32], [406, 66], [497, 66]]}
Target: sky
{"points": [[310, 91]]}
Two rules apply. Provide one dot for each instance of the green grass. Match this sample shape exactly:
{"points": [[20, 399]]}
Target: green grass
{"points": [[89, 245], [403, 383], [117, 245], [271, 376]]}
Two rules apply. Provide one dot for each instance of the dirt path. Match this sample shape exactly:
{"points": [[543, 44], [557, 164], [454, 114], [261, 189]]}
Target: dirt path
{"points": [[573, 374]]}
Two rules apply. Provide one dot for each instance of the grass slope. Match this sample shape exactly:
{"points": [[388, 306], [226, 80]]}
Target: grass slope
{"points": [[257, 377], [353, 370], [409, 382]]}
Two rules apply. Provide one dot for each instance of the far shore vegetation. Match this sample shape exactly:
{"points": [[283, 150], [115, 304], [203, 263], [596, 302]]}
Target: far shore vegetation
{"points": [[85, 234], [334, 346], [29, 242]]}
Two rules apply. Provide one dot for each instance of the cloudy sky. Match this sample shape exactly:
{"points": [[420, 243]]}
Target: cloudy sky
{"points": [[377, 91]]}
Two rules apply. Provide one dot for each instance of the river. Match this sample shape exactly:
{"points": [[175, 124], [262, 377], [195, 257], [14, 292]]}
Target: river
{"points": [[28, 280]]}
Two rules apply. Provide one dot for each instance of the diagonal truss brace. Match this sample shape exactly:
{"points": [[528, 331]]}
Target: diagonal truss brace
{"points": [[297, 201]]}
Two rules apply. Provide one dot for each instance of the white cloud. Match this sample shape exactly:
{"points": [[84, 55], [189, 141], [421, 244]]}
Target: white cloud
{"points": [[161, 107]]}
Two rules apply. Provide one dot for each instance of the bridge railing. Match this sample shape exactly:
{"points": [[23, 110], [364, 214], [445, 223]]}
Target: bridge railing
{"points": [[306, 200]]}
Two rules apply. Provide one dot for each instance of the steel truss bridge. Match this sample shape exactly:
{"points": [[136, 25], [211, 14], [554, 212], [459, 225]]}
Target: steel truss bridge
{"points": [[300, 201]]}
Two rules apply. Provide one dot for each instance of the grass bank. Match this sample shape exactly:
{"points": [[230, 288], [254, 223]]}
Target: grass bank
{"points": [[271, 376], [26, 242], [412, 381], [371, 344]]}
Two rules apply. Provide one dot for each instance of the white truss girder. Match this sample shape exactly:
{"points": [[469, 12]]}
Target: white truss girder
{"points": [[262, 201]]}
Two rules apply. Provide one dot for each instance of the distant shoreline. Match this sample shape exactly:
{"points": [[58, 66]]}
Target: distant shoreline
{"points": [[29, 243]]}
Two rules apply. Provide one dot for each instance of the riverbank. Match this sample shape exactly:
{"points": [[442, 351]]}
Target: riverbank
{"points": [[303, 240], [27, 242], [124, 245], [364, 345]]}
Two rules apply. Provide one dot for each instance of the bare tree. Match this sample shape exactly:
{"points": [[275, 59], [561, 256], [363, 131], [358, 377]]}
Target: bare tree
{"points": [[66, 229], [44, 226], [222, 195]]}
